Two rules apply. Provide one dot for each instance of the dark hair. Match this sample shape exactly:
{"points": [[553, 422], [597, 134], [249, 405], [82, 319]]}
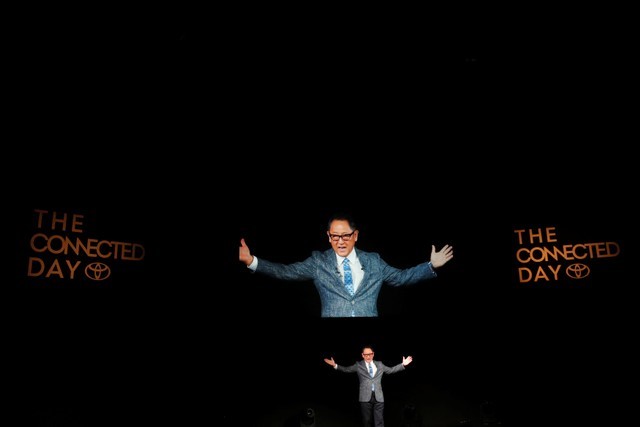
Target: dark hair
{"points": [[342, 216]]}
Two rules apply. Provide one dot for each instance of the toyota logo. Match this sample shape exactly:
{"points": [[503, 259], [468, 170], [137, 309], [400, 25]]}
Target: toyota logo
{"points": [[578, 271], [97, 271]]}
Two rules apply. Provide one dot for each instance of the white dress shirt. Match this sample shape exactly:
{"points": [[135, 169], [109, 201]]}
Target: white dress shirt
{"points": [[356, 268]]}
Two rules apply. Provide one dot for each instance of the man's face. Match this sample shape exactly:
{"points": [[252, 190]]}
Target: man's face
{"points": [[367, 354], [342, 237]]}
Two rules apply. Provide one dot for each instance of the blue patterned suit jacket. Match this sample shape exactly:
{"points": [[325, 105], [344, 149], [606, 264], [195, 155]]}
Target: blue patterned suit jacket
{"points": [[322, 268]]}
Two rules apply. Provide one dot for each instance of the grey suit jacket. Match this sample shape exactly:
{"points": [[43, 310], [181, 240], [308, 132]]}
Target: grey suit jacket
{"points": [[366, 381], [335, 300]]}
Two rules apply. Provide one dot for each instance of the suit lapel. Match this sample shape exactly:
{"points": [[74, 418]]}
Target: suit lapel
{"points": [[332, 264], [364, 264]]}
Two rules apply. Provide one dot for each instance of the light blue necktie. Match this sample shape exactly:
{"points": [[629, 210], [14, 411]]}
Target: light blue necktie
{"points": [[348, 278], [371, 373]]}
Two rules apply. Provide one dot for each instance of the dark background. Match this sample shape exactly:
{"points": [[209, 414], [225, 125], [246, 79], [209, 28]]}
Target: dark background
{"points": [[186, 130]]}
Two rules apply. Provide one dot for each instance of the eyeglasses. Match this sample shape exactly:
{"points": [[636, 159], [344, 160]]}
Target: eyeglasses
{"points": [[367, 354], [344, 237]]}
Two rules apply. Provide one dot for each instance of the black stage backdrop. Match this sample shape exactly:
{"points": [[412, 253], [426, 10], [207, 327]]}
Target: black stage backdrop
{"points": [[186, 333], [154, 161]]}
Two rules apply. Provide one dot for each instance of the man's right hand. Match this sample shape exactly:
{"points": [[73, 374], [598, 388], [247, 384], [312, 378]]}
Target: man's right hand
{"points": [[245, 253], [330, 362]]}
